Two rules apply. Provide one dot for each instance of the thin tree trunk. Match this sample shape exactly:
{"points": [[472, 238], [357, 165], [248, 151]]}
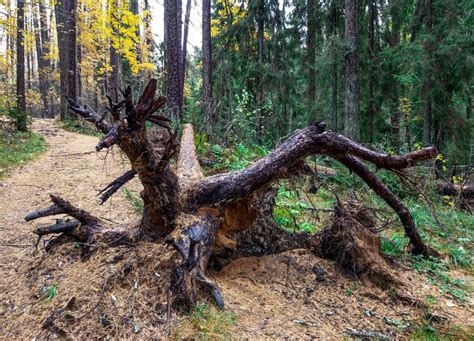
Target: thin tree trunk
{"points": [[185, 43], [29, 57], [352, 114], [310, 57], [71, 10], [396, 114], [28, 70], [20, 67], [60, 15], [43, 69], [334, 66], [372, 76], [207, 65], [114, 81], [427, 84], [172, 54], [260, 78]]}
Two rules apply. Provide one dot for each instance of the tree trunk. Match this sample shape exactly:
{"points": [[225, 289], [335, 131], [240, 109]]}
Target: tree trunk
{"points": [[61, 29], [29, 64], [427, 83], [395, 118], [207, 66], [352, 114], [172, 61], [311, 9], [21, 119], [185, 45], [43, 63], [334, 117], [260, 71], [372, 75], [71, 10], [114, 80]]}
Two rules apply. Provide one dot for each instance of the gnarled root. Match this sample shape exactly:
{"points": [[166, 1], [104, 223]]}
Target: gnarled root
{"points": [[356, 248], [194, 240]]}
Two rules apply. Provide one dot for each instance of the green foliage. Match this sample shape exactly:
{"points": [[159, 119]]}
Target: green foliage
{"points": [[49, 293], [76, 126], [437, 272], [207, 323], [395, 245], [18, 148], [233, 158], [350, 290], [426, 331], [291, 212], [135, 201], [20, 120]]}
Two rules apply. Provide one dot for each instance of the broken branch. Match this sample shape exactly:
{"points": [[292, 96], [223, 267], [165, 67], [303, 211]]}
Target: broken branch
{"points": [[114, 186]]}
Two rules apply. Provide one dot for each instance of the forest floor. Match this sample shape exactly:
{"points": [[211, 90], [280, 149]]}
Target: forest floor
{"points": [[123, 292]]}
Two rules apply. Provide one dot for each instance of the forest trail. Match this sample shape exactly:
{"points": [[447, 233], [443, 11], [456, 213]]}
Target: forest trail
{"points": [[274, 296]]}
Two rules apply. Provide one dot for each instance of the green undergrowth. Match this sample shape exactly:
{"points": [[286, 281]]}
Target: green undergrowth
{"points": [[135, 201], [80, 127], [224, 159], [206, 322], [17, 148], [428, 330]]}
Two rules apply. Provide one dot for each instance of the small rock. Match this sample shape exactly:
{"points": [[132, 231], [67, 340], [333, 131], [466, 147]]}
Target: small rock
{"points": [[136, 328], [320, 273]]}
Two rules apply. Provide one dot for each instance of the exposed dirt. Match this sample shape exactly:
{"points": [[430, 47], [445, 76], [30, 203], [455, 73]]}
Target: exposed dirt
{"points": [[123, 292]]}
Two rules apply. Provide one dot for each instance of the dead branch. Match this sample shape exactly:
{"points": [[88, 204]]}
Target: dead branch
{"points": [[63, 227], [52, 210], [355, 165], [115, 185]]}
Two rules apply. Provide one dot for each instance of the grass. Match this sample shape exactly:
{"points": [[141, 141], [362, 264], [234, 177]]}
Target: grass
{"points": [[49, 293], [426, 331], [19, 148], [206, 323], [135, 201], [77, 126]]}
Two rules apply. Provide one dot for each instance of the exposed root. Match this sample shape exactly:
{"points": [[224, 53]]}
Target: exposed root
{"points": [[356, 248], [85, 228], [194, 242]]}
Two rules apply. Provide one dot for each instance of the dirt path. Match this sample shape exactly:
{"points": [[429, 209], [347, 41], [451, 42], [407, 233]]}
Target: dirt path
{"points": [[122, 292], [69, 168]]}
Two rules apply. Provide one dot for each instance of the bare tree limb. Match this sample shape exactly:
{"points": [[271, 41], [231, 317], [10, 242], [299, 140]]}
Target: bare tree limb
{"points": [[114, 186]]}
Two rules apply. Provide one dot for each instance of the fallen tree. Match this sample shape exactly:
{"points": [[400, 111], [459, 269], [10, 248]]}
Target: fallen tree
{"points": [[217, 217]]}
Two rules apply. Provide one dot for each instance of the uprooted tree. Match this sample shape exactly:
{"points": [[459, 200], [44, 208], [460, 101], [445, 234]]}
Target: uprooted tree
{"points": [[217, 218]]}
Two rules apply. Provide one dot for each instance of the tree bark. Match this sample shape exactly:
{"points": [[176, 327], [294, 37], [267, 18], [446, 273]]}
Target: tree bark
{"points": [[114, 80], [260, 12], [427, 82], [207, 66], [372, 75], [185, 45], [60, 11], [21, 121], [334, 117], [311, 9], [352, 104], [42, 47], [395, 118], [172, 61]]}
